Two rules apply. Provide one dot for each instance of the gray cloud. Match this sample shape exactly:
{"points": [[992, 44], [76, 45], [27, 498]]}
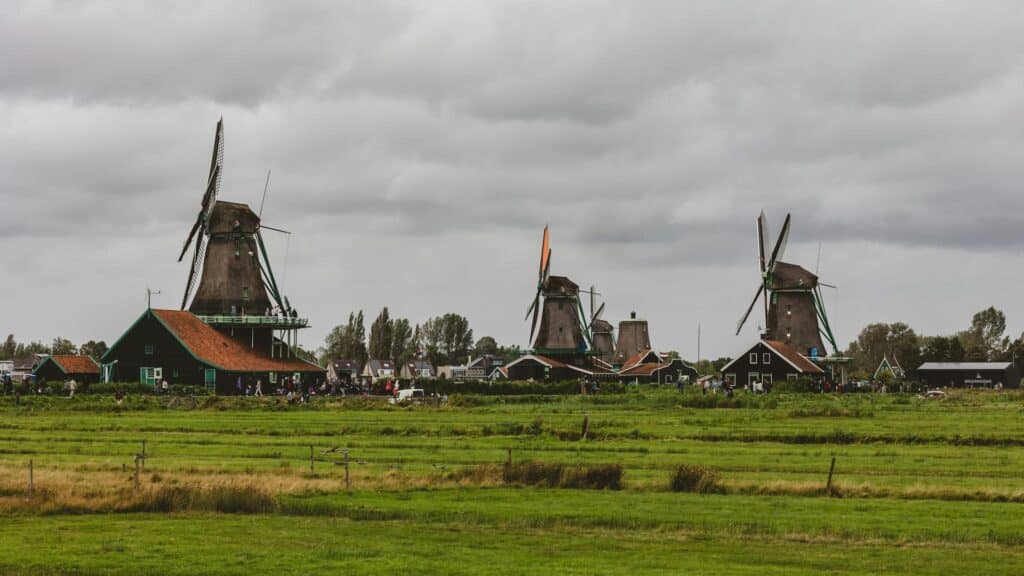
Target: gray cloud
{"points": [[414, 145]]}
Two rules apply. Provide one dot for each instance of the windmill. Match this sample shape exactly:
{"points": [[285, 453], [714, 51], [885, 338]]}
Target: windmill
{"points": [[563, 323], [794, 312], [230, 281], [601, 331]]}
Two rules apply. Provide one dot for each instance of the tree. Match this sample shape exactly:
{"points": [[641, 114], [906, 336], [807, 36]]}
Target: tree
{"points": [[31, 348], [458, 338], [486, 346], [380, 337], [432, 333], [94, 349], [347, 341], [10, 346], [447, 339], [62, 346], [897, 341], [402, 349], [940, 349], [984, 340]]}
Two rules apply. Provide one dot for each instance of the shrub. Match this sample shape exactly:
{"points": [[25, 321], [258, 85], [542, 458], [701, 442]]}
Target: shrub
{"points": [[800, 385], [551, 475], [533, 474], [596, 477], [227, 499], [690, 478]]}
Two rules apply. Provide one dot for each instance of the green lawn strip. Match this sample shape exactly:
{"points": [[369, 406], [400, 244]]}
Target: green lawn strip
{"points": [[885, 519], [227, 544]]}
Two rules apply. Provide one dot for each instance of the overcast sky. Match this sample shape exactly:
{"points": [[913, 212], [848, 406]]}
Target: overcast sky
{"points": [[419, 148]]}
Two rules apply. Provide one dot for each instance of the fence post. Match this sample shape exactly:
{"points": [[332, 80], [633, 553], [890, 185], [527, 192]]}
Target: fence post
{"points": [[31, 480], [509, 462], [347, 485], [586, 426], [310, 458], [137, 458], [831, 469], [143, 455]]}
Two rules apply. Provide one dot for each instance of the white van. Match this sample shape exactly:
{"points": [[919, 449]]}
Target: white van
{"points": [[409, 395]]}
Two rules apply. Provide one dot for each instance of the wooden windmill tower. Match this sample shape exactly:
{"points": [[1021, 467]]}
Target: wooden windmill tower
{"points": [[230, 282], [602, 333], [793, 308], [563, 326]]}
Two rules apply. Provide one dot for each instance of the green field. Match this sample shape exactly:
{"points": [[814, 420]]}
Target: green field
{"points": [[920, 487]]}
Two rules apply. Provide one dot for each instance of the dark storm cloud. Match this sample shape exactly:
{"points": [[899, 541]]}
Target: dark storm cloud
{"points": [[648, 134]]}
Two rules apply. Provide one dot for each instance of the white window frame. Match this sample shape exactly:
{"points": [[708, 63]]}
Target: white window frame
{"points": [[752, 377], [766, 358], [753, 359], [792, 377], [766, 379]]}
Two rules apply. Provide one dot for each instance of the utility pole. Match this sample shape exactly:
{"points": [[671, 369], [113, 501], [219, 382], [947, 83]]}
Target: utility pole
{"points": [[149, 297], [698, 342]]}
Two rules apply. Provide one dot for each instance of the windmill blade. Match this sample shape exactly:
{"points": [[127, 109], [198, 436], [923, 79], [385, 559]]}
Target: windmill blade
{"points": [[547, 269], [195, 270], [204, 213], [218, 150], [780, 244], [533, 306], [597, 315], [743, 320], [832, 286], [188, 240], [545, 253], [533, 325], [762, 243]]}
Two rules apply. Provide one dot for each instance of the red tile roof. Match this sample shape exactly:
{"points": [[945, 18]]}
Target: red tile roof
{"points": [[212, 347], [643, 369], [637, 358], [794, 357], [76, 364]]}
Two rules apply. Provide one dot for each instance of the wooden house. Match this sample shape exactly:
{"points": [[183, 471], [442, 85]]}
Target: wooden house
{"points": [[769, 361], [177, 346], [647, 366], [538, 367], [61, 367], [888, 369], [969, 374]]}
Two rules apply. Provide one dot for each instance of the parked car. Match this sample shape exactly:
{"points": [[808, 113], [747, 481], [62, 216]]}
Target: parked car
{"points": [[408, 395], [935, 394]]}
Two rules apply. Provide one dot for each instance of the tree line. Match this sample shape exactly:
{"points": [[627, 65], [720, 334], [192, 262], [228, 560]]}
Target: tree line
{"points": [[985, 340], [442, 340], [11, 348]]}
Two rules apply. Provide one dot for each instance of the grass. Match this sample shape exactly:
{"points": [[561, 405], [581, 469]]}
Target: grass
{"points": [[663, 483]]}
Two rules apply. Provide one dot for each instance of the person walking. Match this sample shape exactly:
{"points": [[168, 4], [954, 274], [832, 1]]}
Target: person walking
{"points": [[259, 387], [72, 386]]}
